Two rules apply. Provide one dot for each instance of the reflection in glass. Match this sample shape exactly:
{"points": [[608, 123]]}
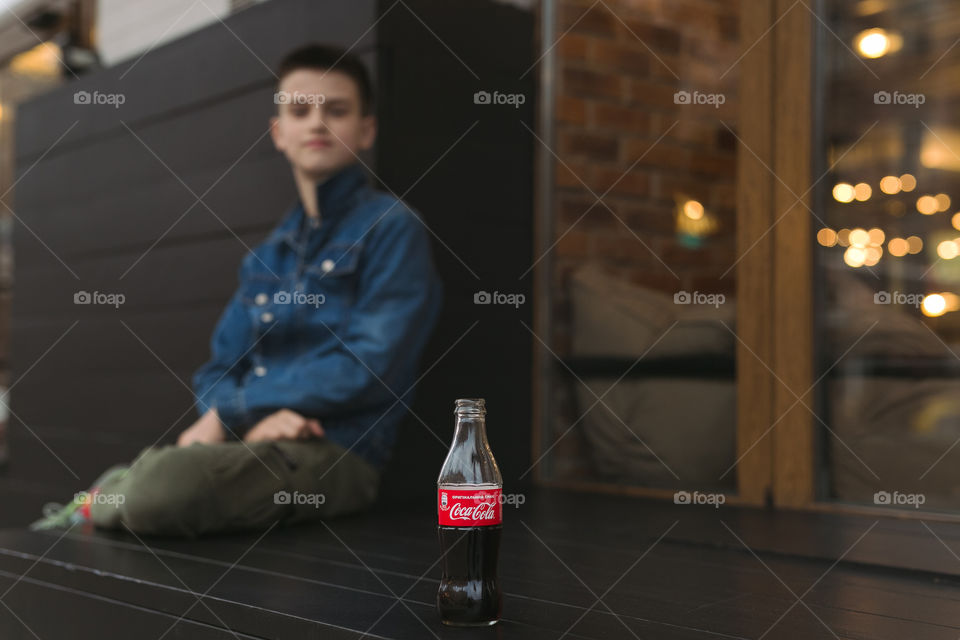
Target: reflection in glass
{"points": [[888, 252]]}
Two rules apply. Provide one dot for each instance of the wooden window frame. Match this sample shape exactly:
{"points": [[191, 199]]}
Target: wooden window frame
{"points": [[774, 274]]}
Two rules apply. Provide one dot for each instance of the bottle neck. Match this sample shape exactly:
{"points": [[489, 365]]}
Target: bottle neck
{"points": [[470, 461], [470, 428]]}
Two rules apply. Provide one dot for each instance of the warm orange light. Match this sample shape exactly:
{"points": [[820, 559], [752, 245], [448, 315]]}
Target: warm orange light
{"points": [[898, 247], [908, 182], [862, 192], [915, 244], [877, 236], [890, 185], [955, 220], [43, 60], [952, 300], [859, 238], [827, 237], [948, 250], [844, 192], [943, 201], [855, 256], [876, 43], [693, 209], [843, 237], [933, 305], [927, 205]]}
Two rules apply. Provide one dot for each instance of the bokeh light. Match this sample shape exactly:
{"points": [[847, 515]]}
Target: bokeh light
{"points": [[948, 250], [933, 305], [844, 192], [827, 237], [693, 209], [927, 205], [890, 185], [898, 247]]}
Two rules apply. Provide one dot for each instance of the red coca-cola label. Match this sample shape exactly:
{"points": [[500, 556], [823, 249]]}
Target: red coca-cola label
{"points": [[465, 507]]}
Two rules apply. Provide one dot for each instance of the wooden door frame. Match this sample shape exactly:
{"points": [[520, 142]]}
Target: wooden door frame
{"points": [[774, 273]]}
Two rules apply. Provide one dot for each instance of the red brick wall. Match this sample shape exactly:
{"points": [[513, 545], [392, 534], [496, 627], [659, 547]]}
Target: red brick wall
{"points": [[619, 65]]}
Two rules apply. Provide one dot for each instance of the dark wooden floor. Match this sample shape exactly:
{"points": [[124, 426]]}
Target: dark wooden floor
{"points": [[573, 565]]}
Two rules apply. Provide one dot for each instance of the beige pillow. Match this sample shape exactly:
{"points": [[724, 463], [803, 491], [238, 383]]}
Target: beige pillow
{"points": [[612, 317]]}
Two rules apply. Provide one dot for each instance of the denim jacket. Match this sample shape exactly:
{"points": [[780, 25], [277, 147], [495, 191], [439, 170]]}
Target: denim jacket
{"points": [[329, 320]]}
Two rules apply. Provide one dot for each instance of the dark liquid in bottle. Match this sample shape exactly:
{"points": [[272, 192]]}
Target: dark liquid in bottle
{"points": [[469, 593]]}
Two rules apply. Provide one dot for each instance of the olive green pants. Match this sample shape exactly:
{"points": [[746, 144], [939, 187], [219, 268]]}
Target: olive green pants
{"points": [[233, 486]]}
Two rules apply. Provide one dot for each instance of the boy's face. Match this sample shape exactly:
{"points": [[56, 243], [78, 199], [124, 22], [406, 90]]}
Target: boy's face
{"points": [[320, 136]]}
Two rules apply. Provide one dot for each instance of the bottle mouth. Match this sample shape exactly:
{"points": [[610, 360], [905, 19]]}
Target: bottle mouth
{"points": [[470, 407]]}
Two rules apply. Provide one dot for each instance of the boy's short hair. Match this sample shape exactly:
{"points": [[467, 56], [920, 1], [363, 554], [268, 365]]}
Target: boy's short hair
{"points": [[325, 58]]}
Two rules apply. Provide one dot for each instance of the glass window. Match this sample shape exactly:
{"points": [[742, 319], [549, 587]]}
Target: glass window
{"points": [[887, 273]]}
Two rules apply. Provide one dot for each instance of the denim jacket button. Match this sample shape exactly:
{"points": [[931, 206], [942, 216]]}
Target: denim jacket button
{"points": [[266, 316], [260, 371], [327, 265], [261, 299]]}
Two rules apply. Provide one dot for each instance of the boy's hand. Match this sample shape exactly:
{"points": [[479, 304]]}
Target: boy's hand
{"points": [[284, 425], [206, 430]]}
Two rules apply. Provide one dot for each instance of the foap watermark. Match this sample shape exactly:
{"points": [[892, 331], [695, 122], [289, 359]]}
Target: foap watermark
{"points": [[296, 97], [95, 97], [299, 297], [485, 297], [698, 97], [513, 99], [695, 497], [912, 99], [698, 297], [111, 499], [99, 297], [897, 499], [313, 499], [898, 297], [513, 499]]}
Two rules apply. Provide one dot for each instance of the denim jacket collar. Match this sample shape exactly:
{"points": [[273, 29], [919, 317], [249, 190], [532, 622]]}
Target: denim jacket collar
{"points": [[335, 198]]}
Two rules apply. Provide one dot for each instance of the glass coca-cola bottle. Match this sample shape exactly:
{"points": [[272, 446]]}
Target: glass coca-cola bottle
{"points": [[469, 509]]}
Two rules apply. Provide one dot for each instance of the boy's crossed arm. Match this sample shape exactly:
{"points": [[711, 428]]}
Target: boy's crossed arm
{"points": [[282, 425]]}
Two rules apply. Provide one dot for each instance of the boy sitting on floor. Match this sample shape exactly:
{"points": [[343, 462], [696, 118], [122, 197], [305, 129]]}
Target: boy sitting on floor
{"points": [[315, 356]]}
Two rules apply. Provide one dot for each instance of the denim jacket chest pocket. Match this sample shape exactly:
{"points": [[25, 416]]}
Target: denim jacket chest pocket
{"points": [[262, 294], [327, 288]]}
